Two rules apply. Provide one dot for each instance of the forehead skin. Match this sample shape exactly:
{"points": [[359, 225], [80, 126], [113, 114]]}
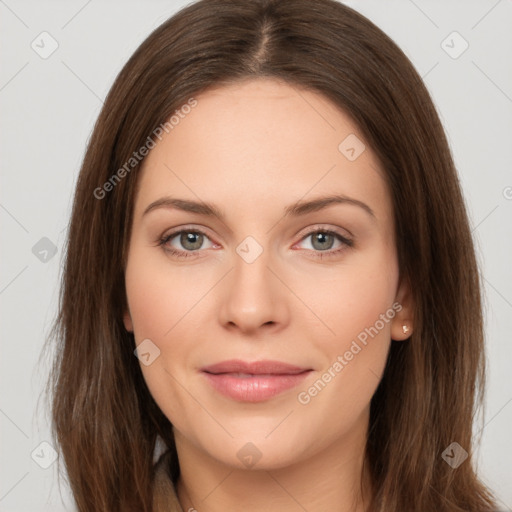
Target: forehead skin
{"points": [[257, 146]]}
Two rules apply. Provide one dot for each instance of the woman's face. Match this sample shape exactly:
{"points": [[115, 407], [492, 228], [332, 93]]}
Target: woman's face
{"points": [[265, 311]]}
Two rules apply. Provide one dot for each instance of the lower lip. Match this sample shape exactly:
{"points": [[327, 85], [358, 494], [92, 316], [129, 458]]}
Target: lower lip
{"points": [[256, 388]]}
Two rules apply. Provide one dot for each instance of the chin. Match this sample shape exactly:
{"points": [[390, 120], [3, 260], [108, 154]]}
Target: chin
{"points": [[255, 450]]}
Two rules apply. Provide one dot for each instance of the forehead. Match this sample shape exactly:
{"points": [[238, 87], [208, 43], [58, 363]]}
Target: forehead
{"points": [[265, 141]]}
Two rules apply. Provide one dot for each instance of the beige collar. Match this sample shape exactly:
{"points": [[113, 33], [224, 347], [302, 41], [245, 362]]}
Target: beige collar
{"points": [[164, 492]]}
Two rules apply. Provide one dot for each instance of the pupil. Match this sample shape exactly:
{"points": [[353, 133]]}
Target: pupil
{"points": [[322, 238], [192, 239]]}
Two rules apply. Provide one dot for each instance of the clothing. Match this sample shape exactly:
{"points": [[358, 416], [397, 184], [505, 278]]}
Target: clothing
{"points": [[165, 498]]}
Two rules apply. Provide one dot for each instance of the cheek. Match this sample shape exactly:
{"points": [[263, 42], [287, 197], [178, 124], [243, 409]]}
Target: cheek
{"points": [[159, 297], [364, 297], [163, 305], [357, 304], [352, 297]]}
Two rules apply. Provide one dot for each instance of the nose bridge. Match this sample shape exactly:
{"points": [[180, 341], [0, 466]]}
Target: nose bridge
{"points": [[251, 269], [251, 277], [253, 297]]}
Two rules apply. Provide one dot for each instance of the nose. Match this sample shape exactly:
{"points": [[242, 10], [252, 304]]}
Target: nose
{"points": [[253, 298]]}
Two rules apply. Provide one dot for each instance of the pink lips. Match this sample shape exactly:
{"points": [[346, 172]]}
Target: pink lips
{"points": [[253, 382]]}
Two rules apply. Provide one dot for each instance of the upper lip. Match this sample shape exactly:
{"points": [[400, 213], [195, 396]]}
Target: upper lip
{"points": [[254, 367]]}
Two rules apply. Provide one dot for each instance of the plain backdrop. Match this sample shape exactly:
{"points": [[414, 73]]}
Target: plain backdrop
{"points": [[49, 103]]}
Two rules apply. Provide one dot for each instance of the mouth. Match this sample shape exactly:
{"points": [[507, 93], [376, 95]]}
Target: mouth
{"points": [[254, 381]]}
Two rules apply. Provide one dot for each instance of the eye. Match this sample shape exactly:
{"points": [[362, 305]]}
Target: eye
{"points": [[185, 242], [323, 241], [182, 243]]}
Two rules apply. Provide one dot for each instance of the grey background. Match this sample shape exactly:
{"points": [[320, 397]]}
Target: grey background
{"points": [[48, 107]]}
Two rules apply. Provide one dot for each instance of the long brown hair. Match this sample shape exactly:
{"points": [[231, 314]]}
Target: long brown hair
{"points": [[104, 417]]}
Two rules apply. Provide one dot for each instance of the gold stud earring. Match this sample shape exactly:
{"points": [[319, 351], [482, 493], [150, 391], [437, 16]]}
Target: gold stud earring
{"points": [[405, 329]]}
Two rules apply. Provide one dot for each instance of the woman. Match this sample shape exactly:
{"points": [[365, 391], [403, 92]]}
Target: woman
{"points": [[269, 218]]}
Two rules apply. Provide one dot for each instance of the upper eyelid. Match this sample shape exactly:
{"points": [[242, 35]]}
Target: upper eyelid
{"points": [[324, 227], [186, 229]]}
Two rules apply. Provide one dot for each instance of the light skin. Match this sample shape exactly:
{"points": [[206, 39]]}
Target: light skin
{"points": [[253, 149]]}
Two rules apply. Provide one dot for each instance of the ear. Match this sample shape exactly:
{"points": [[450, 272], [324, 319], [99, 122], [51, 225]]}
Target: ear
{"points": [[127, 320], [402, 325]]}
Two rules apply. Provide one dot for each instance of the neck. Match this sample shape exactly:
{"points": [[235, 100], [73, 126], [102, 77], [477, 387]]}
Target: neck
{"points": [[331, 479]]}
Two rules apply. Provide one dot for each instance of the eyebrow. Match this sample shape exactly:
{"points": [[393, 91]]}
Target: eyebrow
{"points": [[295, 210]]}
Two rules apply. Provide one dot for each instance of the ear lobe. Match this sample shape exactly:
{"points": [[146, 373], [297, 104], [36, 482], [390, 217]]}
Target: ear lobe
{"points": [[402, 325], [127, 320]]}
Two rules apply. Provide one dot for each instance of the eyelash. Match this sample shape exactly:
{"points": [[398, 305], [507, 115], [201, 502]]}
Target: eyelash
{"points": [[347, 243]]}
